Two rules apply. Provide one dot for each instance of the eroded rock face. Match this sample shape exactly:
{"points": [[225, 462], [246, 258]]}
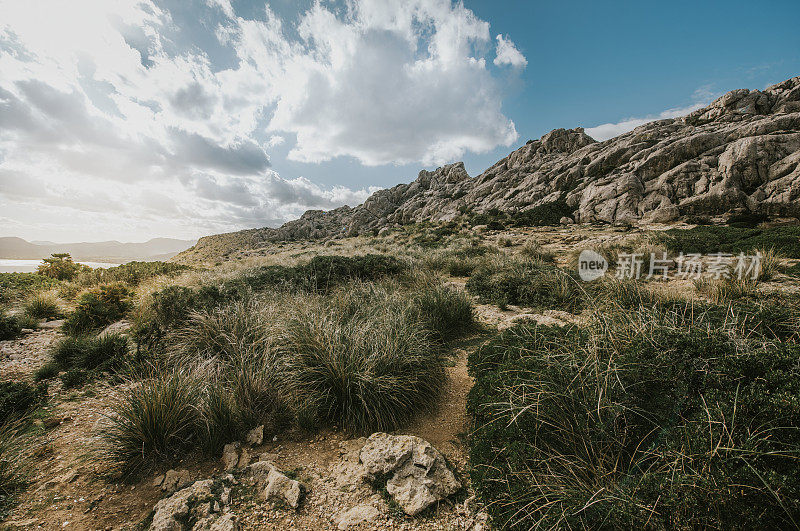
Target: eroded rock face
{"points": [[742, 152], [416, 474]]}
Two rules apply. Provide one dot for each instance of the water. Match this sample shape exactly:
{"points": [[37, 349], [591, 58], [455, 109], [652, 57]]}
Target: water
{"points": [[29, 266]]}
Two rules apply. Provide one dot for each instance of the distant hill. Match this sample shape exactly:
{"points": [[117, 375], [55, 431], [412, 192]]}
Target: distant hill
{"points": [[740, 154], [109, 251]]}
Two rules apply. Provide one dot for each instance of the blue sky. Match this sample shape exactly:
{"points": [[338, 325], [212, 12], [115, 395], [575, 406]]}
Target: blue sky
{"points": [[130, 119]]}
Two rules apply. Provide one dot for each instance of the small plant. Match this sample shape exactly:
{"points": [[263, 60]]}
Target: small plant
{"points": [[84, 357], [42, 306], [534, 250], [17, 398], [14, 463], [771, 262]]}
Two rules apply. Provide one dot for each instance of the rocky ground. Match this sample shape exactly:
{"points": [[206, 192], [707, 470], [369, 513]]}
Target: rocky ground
{"points": [[70, 488]]}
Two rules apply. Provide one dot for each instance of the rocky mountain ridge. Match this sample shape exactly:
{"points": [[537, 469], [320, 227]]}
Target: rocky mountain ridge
{"points": [[741, 153]]}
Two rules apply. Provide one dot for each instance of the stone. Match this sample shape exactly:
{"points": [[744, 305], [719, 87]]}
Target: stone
{"points": [[566, 221], [281, 488], [27, 331], [418, 475], [169, 513], [119, 327], [255, 436], [230, 456], [244, 458], [175, 480], [358, 515]]}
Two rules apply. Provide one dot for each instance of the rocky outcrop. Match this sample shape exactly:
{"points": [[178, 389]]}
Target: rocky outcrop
{"points": [[416, 475], [199, 507], [741, 153]]}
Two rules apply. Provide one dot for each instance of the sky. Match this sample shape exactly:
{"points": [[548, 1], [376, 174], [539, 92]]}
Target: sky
{"points": [[134, 119]]}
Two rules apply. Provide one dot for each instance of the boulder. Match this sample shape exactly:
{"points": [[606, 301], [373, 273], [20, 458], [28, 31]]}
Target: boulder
{"points": [[230, 456], [283, 489], [255, 436], [417, 475], [175, 480]]}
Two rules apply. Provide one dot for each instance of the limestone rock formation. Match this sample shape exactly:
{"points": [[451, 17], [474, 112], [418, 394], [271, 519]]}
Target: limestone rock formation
{"points": [[416, 474], [741, 153]]}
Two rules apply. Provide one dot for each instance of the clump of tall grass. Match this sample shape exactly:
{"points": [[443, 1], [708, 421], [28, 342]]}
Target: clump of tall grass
{"points": [[534, 250], [155, 420], [362, 372], [84, 357], [637, 421], [10, 326], [42, 306], [770, 263], [15, 464], [724, 290], [445, 312]]}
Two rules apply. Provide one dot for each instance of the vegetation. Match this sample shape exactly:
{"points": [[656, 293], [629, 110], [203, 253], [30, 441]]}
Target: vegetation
{"points": [[19, 285], [60, 267], [9, 326], [713, 239], [17, 398], [545, 214], [661, 415], [97, 308], [85, 357], [131, 273], [42, 306], [525, 282]]}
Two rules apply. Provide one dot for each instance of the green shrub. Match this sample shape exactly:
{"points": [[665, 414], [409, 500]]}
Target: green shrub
{"points": [[47, 371], [542, 215], [446, 312], [362, 373], [636, 423], [98, 308], [155, 421], [42, 306], [60, 267], [708, 240], [84, 357], [527, 283], [131, 273], [74, 378], [14, 286], [9, 326], [17, 398]]}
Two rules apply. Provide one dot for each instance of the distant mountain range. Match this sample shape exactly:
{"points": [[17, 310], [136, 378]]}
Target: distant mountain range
{"points": [[110, 251]]}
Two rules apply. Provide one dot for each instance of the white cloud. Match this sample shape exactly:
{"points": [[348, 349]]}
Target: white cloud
{"points": [[610, 130], [105, 99], [508, 54]]}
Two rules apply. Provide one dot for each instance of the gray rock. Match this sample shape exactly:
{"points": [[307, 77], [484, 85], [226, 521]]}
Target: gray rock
{"points": [[357, 515], [230, 456], [418, 473], [281, 488], [255, 436], [175, 480]]}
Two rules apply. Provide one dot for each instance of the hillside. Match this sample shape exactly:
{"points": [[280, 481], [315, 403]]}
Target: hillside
{"points": [[113, 251], [741, 153]]}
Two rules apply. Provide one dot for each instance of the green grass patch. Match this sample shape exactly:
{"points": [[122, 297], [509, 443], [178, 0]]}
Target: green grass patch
{"points": [[734, 240]]}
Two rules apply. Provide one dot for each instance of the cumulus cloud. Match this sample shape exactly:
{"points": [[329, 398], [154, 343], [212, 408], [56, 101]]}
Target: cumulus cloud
{"points": [[508, 54], [102, 100]]}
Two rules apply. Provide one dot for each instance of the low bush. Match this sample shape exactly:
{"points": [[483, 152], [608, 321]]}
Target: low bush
{"points": [[15, 286], [131, 273], [9, 326], [542, 215], [98, 308], [636, 422], [42, 306], [525, 282], [713, 239], [18, 398]]}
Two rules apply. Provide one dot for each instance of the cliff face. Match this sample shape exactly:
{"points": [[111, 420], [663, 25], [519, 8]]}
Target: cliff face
{"points": [[742, 152]]}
